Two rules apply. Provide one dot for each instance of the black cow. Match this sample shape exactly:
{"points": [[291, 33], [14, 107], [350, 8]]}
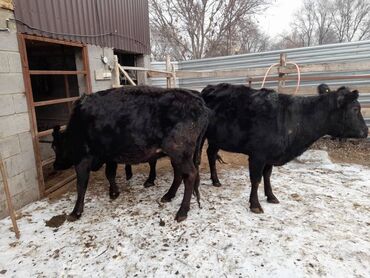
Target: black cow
{"points": [[134, 125], [152, 173], [272, 128]]}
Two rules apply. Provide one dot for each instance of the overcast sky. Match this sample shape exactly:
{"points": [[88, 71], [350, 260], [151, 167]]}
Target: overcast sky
{"points": [[277, 18]]}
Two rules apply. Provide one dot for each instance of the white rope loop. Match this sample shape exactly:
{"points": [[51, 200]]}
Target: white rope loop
{"points": [[278, 64]]}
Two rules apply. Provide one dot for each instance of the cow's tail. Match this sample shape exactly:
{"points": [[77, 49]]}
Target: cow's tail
{"points": [[198, 154]]}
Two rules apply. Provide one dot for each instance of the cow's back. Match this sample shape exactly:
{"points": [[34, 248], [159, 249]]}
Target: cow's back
{"points": [[127, 121], [238, 114]]}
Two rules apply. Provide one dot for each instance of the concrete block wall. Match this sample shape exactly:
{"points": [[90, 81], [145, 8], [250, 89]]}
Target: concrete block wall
{"points": [[95, 53], [16, 146]]}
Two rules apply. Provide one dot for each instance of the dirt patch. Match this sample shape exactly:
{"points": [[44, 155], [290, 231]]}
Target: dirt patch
{"points": [[56, 221], [345, 151]]}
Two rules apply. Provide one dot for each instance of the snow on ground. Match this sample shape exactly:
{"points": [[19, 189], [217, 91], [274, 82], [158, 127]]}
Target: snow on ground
{"points": [[320, 228]]}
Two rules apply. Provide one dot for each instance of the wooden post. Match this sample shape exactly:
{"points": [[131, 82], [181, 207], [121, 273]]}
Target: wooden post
{"points": [[168, 68], [116, 79], [8, 199], [173, 76], [281, 75], [249, 79]]}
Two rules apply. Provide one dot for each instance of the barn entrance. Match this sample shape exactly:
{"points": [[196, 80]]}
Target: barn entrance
{"points": [[127, 59], [56, 73]]}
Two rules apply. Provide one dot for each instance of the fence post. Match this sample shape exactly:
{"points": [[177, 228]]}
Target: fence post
{"points": [[168, 69], [116, 78], [281, 75], [173, 76]]}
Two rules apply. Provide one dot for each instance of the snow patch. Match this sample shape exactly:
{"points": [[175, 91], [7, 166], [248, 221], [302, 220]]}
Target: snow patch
{"points": [[320, 228]]}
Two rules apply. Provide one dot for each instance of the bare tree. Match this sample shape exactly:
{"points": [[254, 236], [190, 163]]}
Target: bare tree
{"points": [[324, 22], [304, 23], [351, 19], [198, 28], [321, 21]]}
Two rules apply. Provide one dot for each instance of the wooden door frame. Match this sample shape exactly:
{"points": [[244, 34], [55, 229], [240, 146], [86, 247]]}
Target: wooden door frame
{"points": [[36, 135]]}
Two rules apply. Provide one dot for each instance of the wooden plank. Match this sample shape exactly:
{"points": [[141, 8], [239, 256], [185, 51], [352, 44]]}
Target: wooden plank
{"points": [[85, 60], [31, 111], [159, 73], [223, 73], [328, 67], [9, 198], [48, 161], [312, 78], [126, 75], [60, 184], [49, 40], [281, 75], [168, 68], [57, 72], [49, 131], [253, 72], [55, 101], [365, 111], [136, 68]]}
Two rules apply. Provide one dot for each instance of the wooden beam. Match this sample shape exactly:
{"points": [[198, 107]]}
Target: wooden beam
{"points": [[9, 199], [55, 101], [60, 184], [327, 67], [281, 75], [168, 68], [312, 78], [49, 131], [126, 75], [57, 72], [49, 40]]}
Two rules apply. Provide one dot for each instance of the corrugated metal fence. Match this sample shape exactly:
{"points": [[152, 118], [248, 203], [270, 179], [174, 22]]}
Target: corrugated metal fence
{"points": [[333, 53]]}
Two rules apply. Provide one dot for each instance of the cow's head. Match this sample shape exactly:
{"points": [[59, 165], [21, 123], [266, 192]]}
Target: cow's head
{"points": [[62, 162], [346, 120]]}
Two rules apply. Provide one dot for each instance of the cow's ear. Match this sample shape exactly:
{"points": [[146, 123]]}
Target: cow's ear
{"points": [[347, 97], [323, 89]]}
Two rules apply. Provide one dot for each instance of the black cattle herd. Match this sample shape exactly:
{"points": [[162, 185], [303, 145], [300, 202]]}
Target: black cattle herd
{"points": [[141, 124]]}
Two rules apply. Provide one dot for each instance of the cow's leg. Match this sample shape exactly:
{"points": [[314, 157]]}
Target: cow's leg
{"points": [[255, 173], [110, 173], [189, 174], [212, 157], [177, 179], [128, 171], [83, 173], [152, 174], [267, 185]]}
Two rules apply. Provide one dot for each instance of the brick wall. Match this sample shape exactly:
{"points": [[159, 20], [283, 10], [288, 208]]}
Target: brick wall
{"points": [[16, 146]]}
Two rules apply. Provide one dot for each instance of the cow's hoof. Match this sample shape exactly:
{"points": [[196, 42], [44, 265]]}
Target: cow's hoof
{"points": [[180, 216], [166, 199], [113, 195], [273, 200], [217, 184], [148, 184], [257, 210], [73, 217]]}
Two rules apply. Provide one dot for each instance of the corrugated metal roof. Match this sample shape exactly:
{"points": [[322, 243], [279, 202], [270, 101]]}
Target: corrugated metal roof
{"points": [[121, 24]]}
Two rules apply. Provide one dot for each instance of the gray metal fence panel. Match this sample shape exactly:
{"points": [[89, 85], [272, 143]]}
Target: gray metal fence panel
{"points": [[331, 53]]}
